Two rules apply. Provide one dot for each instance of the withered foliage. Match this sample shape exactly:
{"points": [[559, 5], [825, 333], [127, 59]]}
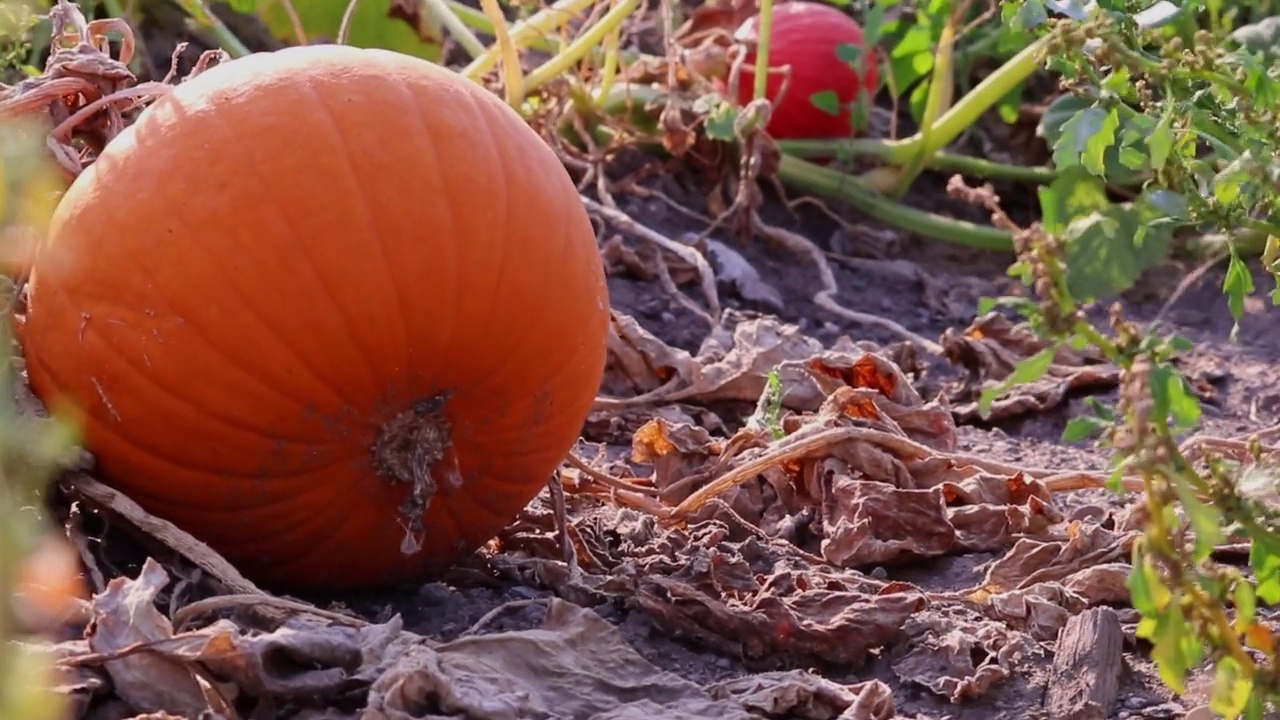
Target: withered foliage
{"points": [[766, 497]]}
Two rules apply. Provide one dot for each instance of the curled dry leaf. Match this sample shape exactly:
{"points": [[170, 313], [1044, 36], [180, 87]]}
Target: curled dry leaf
{"points": [[125, 617], [731, 590], [576, 665], [1032, 561], [992, 346], [801, 695], [1043, 609], [961, 658]]}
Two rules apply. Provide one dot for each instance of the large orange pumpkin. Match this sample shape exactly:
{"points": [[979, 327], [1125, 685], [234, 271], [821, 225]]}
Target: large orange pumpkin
{"points": [[337, 312]]}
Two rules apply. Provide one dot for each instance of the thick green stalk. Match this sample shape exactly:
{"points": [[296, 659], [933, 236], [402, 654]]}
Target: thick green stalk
{"points": [[985, 96], [941, 92], [762, 49], [941, 160], [456, 27], [837, 186]]}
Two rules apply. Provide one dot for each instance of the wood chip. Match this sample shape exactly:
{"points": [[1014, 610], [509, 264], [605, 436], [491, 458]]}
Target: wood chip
{"points": [[1085, 678]]}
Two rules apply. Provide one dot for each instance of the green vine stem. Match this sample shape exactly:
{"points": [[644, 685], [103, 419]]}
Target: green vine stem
{"points": [[523, 34], [942, 160], [762, 50], [580, 47], [941, 91], [205, 18], [986, 95], [833, 185], [456, 27]]}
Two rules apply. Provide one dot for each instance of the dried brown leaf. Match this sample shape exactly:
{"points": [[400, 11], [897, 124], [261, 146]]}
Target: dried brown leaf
{"points": [[639, 362], [717, 18], [992, 346], [872, 523], [124, 616], [575, 665], [803, 695], [1032, 561], [960, 658]]}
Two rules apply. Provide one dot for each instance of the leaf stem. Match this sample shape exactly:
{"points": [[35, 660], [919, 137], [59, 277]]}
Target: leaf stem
{"points": [[583, 44], [527, 32], [838, 186], [513, 81]]}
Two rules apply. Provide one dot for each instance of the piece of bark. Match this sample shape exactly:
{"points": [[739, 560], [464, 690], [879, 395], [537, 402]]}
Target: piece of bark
{"points": [[1085, 678]]}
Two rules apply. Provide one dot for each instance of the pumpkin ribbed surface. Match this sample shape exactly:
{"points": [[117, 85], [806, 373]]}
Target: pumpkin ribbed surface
{"points": [[312, 292]]}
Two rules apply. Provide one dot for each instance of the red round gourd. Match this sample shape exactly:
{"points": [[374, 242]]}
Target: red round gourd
{"points": [[337, 312], [805, 36]]}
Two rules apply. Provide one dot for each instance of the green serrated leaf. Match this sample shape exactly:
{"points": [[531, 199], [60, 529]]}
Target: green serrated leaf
{"points": [[1073, 193], [1029, 15], [719, 123], [1108, 249]]}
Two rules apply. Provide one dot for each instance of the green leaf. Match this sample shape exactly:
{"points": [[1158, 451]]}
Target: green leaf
{"points": [[1238, 285], [1109, 248], [720, 121], [1231, 689], [1029, 369], [1083, 427], [371, 26], [1158, 15], [1170, 649], [1072, 194], [1147, 592], [1085, 137], [1246, 603], [1205, 521], [1173, 397], [827, 101], [1029, 15], [1160, 142], [1264, 558]]}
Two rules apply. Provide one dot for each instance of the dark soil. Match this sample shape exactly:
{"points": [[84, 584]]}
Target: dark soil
{"points": [[927, 286]]}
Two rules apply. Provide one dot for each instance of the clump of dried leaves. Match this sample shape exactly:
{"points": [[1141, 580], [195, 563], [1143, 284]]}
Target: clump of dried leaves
{"points": [[768, 540]]}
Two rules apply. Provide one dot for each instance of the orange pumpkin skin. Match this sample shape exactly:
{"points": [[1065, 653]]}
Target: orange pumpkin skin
{"points": [[250, 293]]}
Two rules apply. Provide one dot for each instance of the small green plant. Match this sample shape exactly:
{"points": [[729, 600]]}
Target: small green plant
{"points": [[1170, 100], [36, 573]]}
